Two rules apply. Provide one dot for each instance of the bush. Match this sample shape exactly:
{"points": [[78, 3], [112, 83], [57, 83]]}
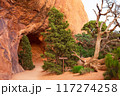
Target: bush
{"points": [[113, 65], [25, 56], [117, 52], [86, 70], [76, 69], [52, 67]]}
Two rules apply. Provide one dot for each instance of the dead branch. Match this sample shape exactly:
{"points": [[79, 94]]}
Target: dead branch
{"points": [[104, 22], [114, 40], [112, 22], [75, 54], [95, 12], [98, 8], [102, 4], [114, 13], [109, 10], [94, 67], [107, 29], [92, 63], [113, 28]]}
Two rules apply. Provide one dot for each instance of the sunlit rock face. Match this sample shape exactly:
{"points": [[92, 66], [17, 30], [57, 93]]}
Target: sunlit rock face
{"points": [[74, 12], [16, 15]]}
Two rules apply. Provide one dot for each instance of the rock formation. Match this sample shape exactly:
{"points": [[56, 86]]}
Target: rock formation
{"points": [[18, 17]]}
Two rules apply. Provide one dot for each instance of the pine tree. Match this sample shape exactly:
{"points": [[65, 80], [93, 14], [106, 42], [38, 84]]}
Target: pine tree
{"points": [[59, 43], [25, 56]]}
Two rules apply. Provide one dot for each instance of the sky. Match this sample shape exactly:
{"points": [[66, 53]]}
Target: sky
{"points": [[89, 5]]}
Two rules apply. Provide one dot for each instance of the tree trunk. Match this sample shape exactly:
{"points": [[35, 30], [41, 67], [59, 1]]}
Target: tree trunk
{"points": [[97, 47]]}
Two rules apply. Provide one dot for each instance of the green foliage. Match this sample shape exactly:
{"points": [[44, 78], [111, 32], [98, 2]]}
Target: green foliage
{"points": [[101, 55], [114, 35], [76, 69], [117, 52], [25, 56], [111, 45], [91, 28], [86, 70], [108, 60], [82, 70], [89, 40], [59, 43], [85, 46], [113, 65], [86, 39], [52, 67]]}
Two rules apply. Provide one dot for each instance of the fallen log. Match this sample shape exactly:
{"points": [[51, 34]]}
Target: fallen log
{"points": [[96, 64]]}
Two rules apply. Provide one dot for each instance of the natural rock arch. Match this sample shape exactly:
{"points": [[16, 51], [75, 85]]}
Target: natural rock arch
{"points": [[16, 20], [37, 46]]}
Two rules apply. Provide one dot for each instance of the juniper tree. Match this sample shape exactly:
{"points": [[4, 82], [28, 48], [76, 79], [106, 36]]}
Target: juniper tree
{"points": [[59, 43], [25, 56], [91, 28]]}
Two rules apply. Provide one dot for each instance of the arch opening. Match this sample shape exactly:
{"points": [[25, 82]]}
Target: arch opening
{"points": [[37, 46]]}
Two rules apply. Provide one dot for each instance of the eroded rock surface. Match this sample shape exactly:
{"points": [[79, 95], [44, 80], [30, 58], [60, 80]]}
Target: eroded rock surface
{"points": [[18, 17]]}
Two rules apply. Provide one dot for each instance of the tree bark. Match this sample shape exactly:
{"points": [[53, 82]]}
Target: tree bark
{"points": [[97, 47]]}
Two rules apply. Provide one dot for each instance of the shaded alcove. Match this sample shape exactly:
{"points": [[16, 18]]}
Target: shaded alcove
{"points": [[37, 45]]}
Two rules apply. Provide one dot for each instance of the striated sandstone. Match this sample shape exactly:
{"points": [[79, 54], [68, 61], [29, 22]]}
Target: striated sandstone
{"points": [[18, 17]]}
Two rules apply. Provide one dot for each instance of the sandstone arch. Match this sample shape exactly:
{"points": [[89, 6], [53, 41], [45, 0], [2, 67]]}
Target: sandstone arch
{"points": [[16, 20]]}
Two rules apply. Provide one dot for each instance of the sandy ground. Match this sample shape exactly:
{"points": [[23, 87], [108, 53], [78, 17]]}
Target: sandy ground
{"points": [[38, 74]]}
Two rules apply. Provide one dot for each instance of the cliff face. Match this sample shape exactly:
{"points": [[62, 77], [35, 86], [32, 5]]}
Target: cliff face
{"points": [[18, 17], [74, 12]]}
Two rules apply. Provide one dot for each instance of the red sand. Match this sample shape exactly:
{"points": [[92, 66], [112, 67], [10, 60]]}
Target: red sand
{"points": [[38, 74]]}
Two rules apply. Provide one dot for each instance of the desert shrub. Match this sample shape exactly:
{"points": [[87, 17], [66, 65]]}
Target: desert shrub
{"points": [[25, 55], [117, 53], [76, 69], [113, 65], [52, 67], [86, 70]]}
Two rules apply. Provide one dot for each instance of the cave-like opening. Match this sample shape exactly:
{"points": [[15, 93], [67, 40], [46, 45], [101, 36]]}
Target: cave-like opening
{"points": [[37, 45]]}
